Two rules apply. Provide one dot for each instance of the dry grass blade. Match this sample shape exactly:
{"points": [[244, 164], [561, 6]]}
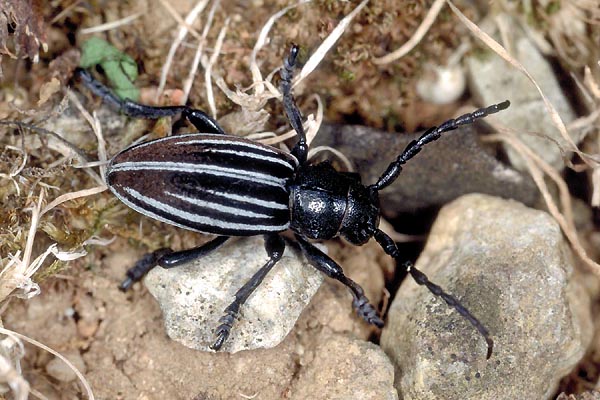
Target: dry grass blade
{"points": [[189, 81], [328, 43], [96, 128], [207, 72], [111, 25], [72, 196], [419, 34], [27, 339], [538, 168], [184, 28], [498, 49], [260, 43], [19, 386]]}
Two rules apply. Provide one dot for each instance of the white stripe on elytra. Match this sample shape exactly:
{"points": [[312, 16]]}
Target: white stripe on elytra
{"points": [[200, 219], [198, 169], [255, 156], [217, 206], [213, 138], [174, 138], [250, 200]]}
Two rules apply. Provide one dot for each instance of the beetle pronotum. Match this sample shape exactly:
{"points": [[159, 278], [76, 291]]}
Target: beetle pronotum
{"points": [[219, 184]]}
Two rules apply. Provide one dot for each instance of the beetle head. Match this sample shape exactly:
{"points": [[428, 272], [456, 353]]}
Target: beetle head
{"points": [[362, 215]]}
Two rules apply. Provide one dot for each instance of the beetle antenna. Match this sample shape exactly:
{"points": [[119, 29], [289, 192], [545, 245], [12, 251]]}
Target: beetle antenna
{"points": [[420, 278], [432, 134], [300, 150]]}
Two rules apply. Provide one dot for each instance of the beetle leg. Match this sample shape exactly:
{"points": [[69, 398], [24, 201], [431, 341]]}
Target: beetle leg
{"points": [[420, 278], [201, 121], [141, 268], [167, 258], [432, 134], [300, 150], [274, 245], [323, 263], [177, 258]]}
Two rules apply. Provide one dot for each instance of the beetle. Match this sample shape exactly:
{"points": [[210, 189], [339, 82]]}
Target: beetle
{"points": [[219, 184]]}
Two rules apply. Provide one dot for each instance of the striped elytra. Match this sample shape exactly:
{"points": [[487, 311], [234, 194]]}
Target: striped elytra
{"points": [[209, 183]]}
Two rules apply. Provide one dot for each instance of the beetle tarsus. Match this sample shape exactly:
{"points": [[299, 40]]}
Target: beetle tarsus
{"points": [[201, 121], [126, 284], [142, 267], [323, 263], [367, 312], [224, 329]]}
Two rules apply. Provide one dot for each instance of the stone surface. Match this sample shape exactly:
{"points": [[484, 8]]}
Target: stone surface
{"points": [[57, 369], [491, 80], [130, 357], [448, 168], [341, 368], [510, 266], [589, 395], [193, 297]]}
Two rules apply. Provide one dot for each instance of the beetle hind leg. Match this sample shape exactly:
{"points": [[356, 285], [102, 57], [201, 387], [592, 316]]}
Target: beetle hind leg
{"points": [[201, 121], [323, 263], [274, 245], [167, 258], [142, 267]]}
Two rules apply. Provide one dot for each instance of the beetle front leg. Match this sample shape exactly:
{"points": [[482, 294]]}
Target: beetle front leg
{"points": [[275, 246], [323, 263], [167, 258], [389, 246]]}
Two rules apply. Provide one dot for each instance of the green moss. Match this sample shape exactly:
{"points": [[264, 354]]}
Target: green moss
{"points": [[553, 7], [347, 76], [120, 69]]}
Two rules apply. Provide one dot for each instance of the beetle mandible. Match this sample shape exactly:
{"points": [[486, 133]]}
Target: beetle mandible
{"points": [[219, 184]]}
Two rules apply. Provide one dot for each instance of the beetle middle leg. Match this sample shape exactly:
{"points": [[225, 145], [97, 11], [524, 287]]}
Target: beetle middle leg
{"points": [[275, 246], [168, 258], [330, 268], [300, 150]]}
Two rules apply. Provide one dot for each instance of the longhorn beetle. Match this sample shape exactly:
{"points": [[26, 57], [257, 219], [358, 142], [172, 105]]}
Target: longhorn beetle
{"points": [[227, 186]]}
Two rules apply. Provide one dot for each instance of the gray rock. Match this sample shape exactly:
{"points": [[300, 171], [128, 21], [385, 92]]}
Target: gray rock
{"points": [[194, 296], [448, 168], [510, 266], [491, 79]]}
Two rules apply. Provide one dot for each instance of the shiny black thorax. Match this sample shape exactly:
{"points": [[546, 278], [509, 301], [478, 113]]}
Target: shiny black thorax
{"points": [[325, 203]]}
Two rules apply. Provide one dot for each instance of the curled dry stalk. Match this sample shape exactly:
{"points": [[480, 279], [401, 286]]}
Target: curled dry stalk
{"points": [[19, 267]]}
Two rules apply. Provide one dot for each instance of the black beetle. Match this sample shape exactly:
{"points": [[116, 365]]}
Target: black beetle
{"points": [[219, 184]]}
